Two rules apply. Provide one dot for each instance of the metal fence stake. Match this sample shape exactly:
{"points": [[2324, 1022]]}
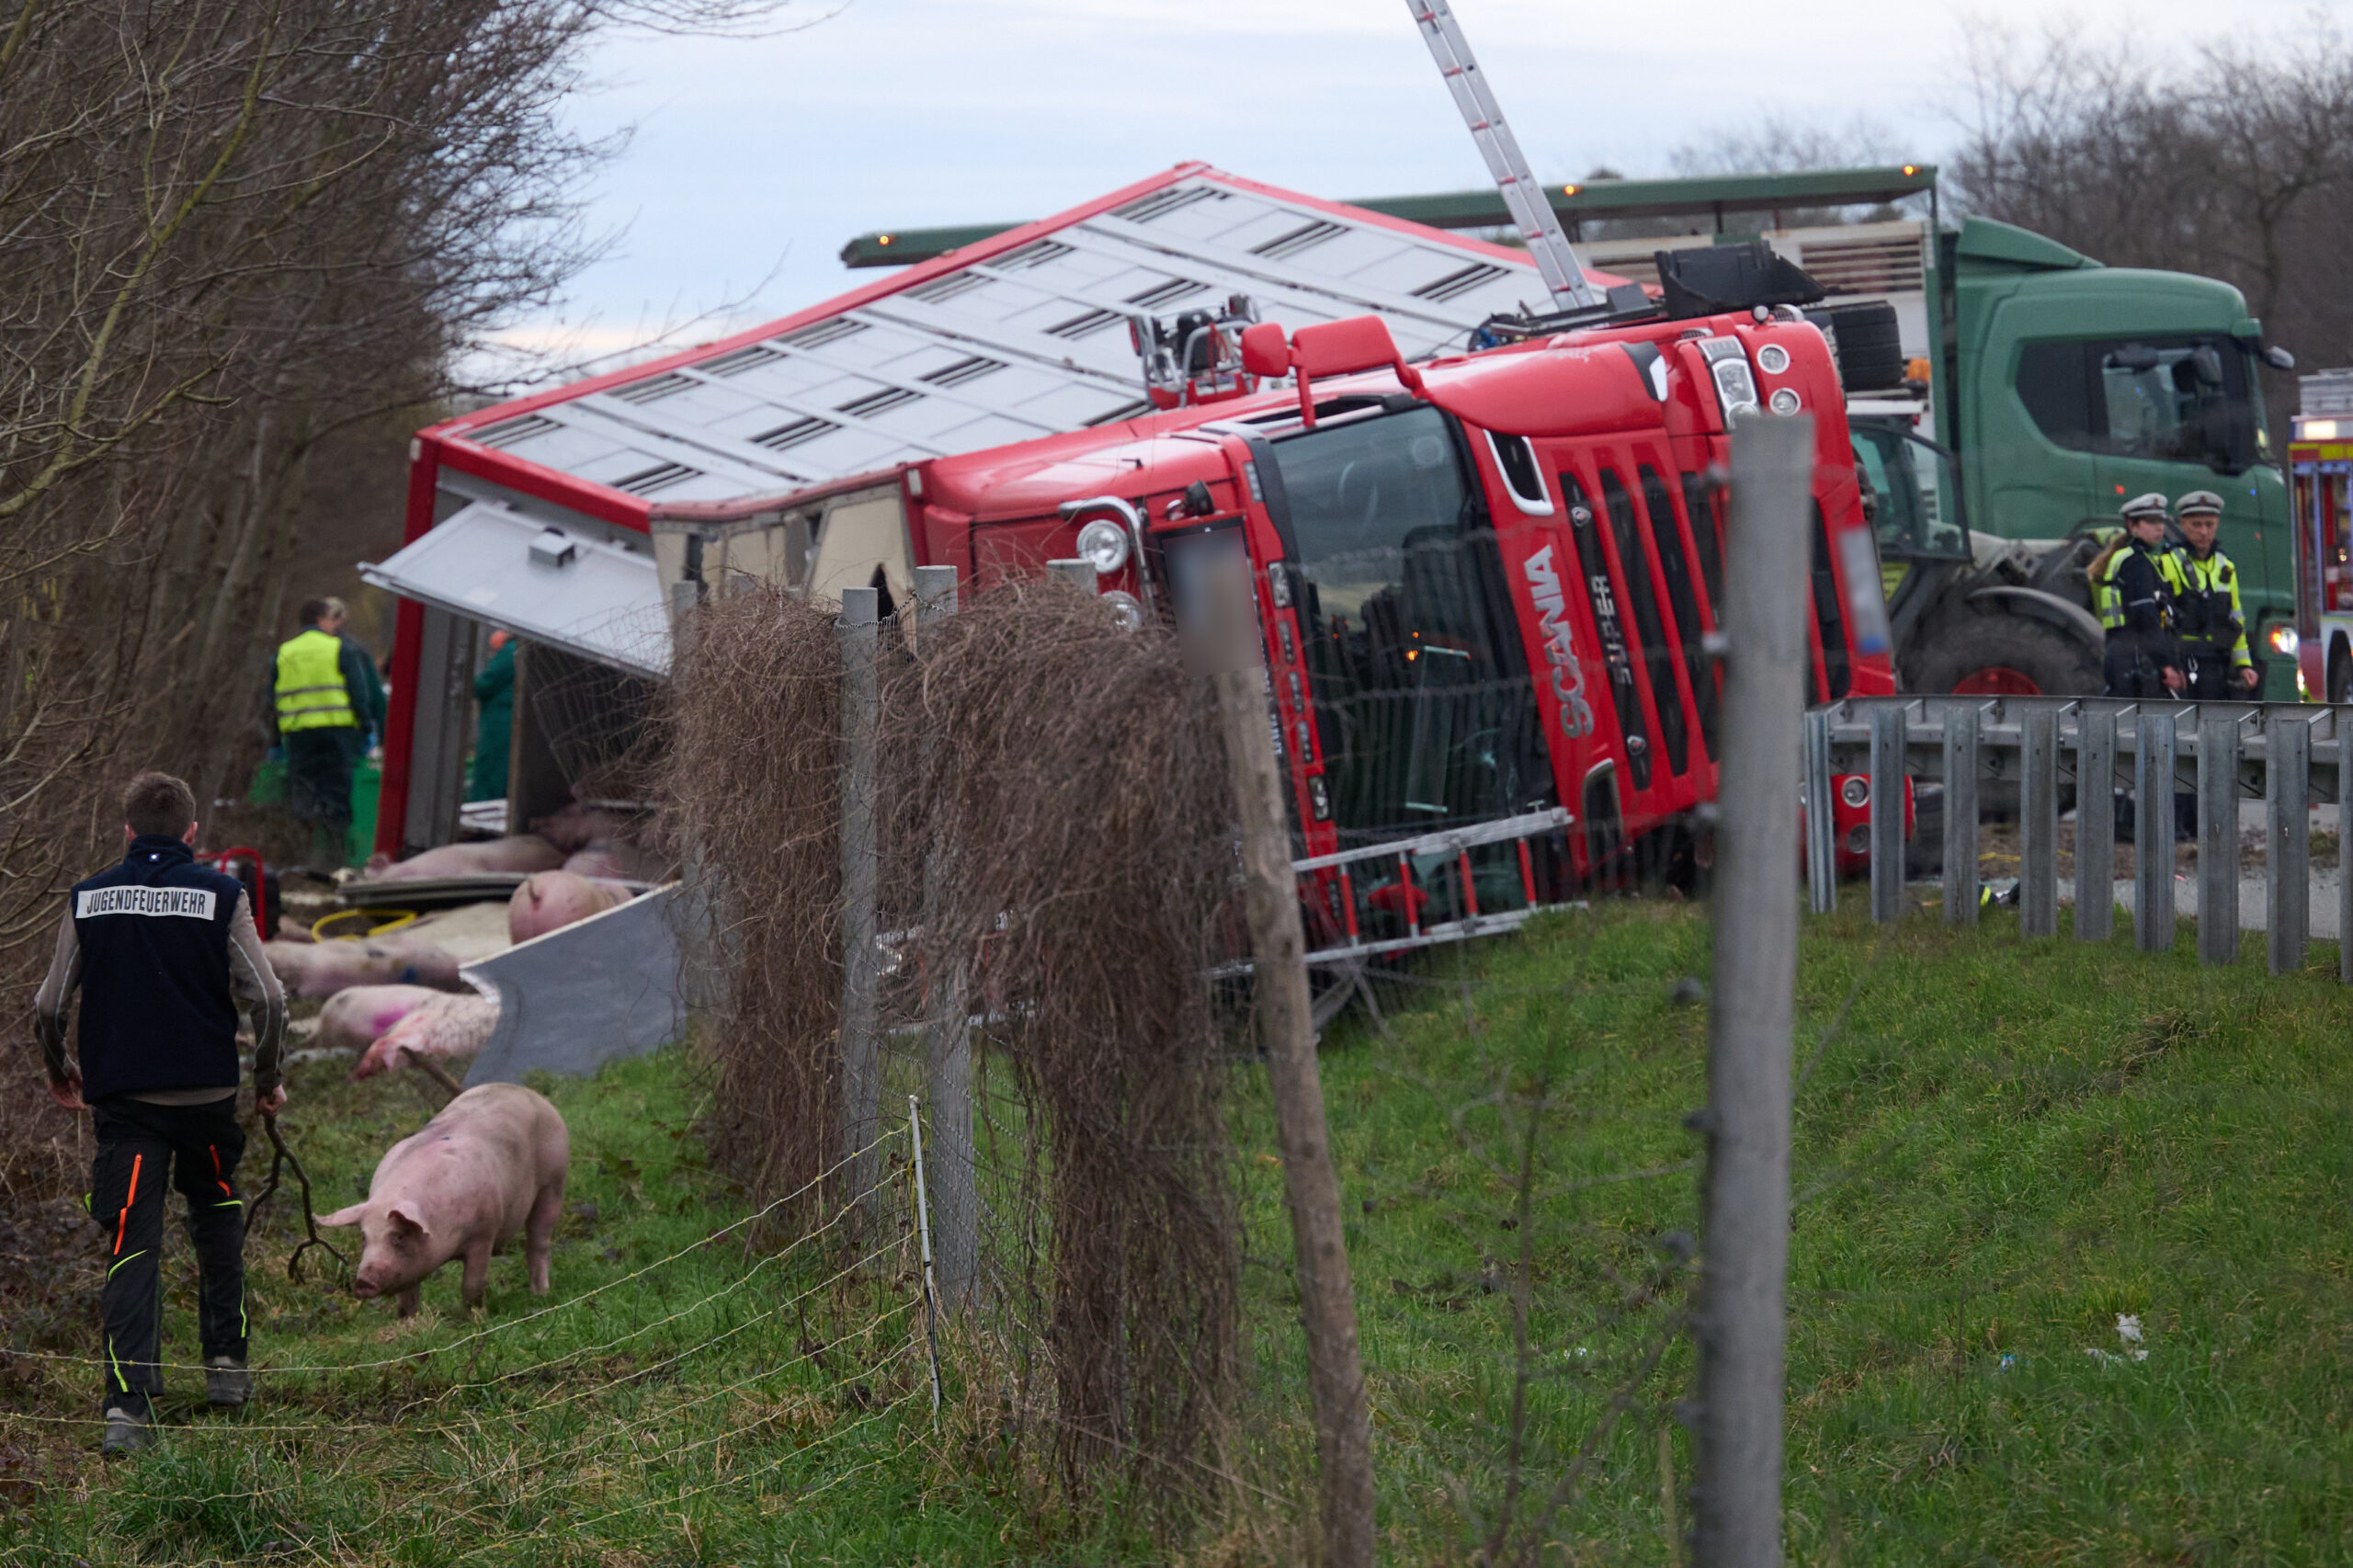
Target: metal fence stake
{"points": [[1740, 1324], [1888, 732], [2095, 826], [2038, 823], [2218, 838], [948, 1067], [1821, 818], [862, 966], [923, 1234], [2286, 849], [1960, 817], [2153, 765]]}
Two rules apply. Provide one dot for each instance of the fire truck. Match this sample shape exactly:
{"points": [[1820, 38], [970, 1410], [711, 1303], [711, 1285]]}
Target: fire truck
{"points": [[2320, 463]]}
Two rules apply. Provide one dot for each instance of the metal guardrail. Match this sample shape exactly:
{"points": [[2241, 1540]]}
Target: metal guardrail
{"points": [[2289, 754]]}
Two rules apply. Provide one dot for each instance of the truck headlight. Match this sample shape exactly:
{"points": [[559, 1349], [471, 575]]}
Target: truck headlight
{"points": [[1125, 609], [1728, 367], [1103, 545], [2282, 639]]}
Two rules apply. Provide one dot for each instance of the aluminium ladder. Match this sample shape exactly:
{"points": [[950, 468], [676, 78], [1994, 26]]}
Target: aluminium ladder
{"points": [[1538, 225]]}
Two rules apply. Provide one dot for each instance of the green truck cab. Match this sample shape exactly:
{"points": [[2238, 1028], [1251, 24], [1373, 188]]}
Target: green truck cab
{"points": [[2069, 387]]}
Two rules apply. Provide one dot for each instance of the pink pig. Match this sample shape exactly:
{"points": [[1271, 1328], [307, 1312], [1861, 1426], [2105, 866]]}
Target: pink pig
{"points": [[549, 901], [489, 1166], [441, 1025], [518, 852], [352, 1018]]}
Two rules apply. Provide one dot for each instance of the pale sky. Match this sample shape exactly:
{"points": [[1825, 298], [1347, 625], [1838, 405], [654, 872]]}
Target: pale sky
{"points": [[754, 160]]}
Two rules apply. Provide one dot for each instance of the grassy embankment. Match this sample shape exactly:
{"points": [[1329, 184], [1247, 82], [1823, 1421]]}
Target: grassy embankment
{"points": [[2001, 1149]]}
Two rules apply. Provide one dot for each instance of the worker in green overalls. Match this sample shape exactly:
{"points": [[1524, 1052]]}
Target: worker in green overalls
{"points": [[494, 731]]}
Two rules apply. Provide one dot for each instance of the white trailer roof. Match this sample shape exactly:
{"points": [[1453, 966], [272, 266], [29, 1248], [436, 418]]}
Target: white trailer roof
{"points": [[1021, 336]]}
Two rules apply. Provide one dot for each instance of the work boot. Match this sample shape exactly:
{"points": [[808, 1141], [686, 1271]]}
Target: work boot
{"points": [[226, 1381], [129, 1431]]}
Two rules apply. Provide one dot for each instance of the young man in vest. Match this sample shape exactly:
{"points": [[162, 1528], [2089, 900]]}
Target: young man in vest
{"points": [[325, 704], [157, 945]]}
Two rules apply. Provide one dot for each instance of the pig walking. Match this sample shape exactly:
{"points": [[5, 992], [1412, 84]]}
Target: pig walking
{"points": [[490, 1166]]}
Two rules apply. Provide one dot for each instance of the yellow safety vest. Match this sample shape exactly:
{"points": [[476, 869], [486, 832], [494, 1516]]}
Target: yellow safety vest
{"points": [[2212, 622], [310, 694]]}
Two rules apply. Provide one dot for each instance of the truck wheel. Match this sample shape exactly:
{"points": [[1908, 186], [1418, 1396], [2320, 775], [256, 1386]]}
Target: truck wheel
{"points": [[2340, 674], [2004, 655]]}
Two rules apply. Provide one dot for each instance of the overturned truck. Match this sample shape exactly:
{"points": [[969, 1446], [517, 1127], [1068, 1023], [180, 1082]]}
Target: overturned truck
{"points": [[1487, 580]]}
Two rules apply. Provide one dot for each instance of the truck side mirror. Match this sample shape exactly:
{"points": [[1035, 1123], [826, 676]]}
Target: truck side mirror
{"points": [[1264, 352]]}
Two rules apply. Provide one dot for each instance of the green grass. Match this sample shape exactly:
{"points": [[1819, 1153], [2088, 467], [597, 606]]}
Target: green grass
{"points": [[2004, 1146]]}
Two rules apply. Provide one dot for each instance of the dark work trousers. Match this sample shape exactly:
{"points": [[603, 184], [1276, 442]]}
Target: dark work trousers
{"points": [[319, 768], [140, 1147], [2211, 680]]}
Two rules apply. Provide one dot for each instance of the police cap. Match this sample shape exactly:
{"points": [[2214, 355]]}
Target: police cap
{"points": [[2200, 501], [2144, 507]]}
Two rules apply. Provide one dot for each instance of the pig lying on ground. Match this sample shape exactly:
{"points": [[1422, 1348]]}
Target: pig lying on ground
{"points": [[518, 852], [576, 826], [322, 969], [442, 1025], [490, 1166], [550, 900], [351, 1019], [617, 859]]}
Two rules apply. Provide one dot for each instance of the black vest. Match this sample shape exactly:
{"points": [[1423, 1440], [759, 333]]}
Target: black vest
{"points": [[157, 1012]]}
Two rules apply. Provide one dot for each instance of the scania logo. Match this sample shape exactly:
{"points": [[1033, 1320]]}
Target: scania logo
{"points": [[1568, 675]]}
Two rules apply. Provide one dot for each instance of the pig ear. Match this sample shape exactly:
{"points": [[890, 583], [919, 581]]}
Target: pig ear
{"points": [[344, 1216], [405, 1220]]}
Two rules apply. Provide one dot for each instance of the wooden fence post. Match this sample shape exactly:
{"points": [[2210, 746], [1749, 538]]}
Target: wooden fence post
{"points": [[1740, 1324], [948, 1069], [861, 968], [1310, 1188]]}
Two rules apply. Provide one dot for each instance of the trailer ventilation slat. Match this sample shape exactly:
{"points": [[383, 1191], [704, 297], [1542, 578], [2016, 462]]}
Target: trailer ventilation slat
{"points": [[941, 290], [874, 402], [661, 476], [507, 432], [967, 369], [1161, 203], [751, 356], [795, 433], [1168, 293], [1084, 326], [1037, 253], [1307, 236], [1891, 265], [654, 389], [1455, 284], [817, 335]]}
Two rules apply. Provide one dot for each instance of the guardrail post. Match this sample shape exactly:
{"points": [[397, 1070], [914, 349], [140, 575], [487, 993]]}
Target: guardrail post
{"points": [[2287, 850], [2218, 838], [2344, 847], [2153, 765], [2095, 826], [948, 1075], [2038, 822], [860, 1037], [1960, 815], [1821, 818], [1890, 725]]}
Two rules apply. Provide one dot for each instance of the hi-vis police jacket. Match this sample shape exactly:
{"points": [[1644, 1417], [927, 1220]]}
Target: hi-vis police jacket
{"points": [[2208, 619], [2135, 596]]}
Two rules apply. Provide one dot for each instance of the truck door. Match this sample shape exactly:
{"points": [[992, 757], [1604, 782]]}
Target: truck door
{"points": [[2033, 452]]}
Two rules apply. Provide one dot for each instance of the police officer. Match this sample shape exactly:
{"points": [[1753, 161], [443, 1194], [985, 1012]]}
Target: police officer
{"points": [[2131, 581], [157, 945], [2208, 620]]}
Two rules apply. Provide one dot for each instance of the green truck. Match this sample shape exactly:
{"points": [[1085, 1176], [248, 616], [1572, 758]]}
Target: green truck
{"points": [[2045, 389]]}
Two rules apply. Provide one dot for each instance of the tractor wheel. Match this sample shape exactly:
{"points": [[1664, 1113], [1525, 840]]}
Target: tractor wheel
{"points": [[2004, 655]]}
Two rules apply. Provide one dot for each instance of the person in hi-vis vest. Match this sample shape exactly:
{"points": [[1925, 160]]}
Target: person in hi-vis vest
{"points": [[325, 708]]}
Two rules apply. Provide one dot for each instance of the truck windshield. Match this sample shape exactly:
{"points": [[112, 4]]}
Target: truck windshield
{"points": [[1422, 696], [2188, 399], [1910, 489]]}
